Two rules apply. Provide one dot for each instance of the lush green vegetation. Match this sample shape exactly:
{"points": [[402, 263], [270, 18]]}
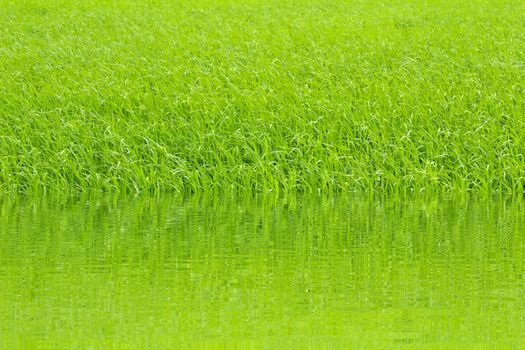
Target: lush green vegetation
{"points": [[256, 95]]}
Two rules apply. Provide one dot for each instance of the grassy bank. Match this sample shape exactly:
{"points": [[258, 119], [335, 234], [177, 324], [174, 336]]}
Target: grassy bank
{"points": [[262, 96]]}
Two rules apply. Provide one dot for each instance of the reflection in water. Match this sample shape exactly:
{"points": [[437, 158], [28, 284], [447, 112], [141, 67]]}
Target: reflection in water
{"points": [[296, 272]]}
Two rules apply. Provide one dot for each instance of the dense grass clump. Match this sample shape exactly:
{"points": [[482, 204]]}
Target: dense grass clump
{"points": [[256, 95]]}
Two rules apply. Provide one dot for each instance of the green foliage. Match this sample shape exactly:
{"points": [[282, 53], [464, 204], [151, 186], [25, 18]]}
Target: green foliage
{"points": [[259, 96]]}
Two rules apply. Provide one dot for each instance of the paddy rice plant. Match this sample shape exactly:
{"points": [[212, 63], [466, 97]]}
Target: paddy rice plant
{"points": [[262, 96]]}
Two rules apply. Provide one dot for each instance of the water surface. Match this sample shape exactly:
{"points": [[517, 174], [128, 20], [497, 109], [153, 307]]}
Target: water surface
{"points": [[306, 272]]}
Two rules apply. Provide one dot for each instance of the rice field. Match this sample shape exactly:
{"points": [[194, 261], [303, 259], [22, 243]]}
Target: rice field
{"points": [[262, 96]]}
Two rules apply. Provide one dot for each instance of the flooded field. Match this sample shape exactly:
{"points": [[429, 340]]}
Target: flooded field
{"points": [[299, 272]]}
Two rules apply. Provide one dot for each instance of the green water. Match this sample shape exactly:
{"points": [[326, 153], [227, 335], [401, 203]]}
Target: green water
{"points": [[296, 273]]}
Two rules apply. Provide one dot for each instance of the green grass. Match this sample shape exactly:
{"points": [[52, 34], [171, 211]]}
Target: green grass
{"points": [[258, 96]]}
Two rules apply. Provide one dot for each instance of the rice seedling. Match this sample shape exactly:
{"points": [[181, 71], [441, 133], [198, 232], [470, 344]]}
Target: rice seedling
{"points": [[262, 96]]}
